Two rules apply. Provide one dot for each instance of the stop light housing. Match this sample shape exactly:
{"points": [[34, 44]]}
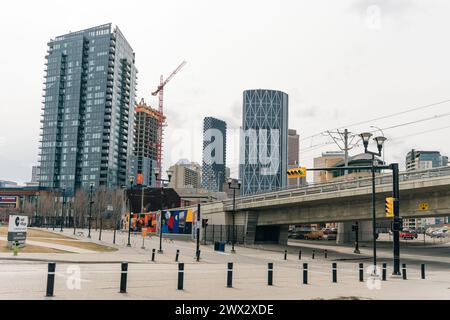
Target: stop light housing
{"points": [[296, 173], [204, 223], [389, 207]]}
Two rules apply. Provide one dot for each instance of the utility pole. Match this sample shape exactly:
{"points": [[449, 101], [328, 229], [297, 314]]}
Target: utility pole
{"points": [[198, 229], [396, 233]]}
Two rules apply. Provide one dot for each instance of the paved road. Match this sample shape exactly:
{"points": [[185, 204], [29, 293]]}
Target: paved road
{"points": [[100, 274]]}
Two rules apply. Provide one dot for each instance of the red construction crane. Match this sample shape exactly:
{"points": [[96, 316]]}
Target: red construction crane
{"points": [[160, 91]]}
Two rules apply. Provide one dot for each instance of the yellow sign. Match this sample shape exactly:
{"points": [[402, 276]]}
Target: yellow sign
{"points": [[424, 206], [296, 173], [389, 207], [144, 232]]}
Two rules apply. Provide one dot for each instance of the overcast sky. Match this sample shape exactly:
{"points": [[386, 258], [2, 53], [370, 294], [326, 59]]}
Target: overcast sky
{"points": [[341, 62]]}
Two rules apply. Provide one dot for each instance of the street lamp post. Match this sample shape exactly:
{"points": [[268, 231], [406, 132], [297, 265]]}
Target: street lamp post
{"points": [[356, 238], [234, 188], [169, 175], [91, 189], [380, 141], [129, 214], [63, 207]]}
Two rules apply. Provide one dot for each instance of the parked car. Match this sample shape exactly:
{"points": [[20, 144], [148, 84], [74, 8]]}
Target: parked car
{"points": [[330, 234], [406, 234], [441, 233], [314, 235]]}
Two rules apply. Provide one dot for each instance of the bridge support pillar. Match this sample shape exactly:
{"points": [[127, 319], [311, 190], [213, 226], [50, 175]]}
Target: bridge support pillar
{"points": [[346, 235], [283, 237]]}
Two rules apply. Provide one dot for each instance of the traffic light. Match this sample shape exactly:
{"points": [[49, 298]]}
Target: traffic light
{"points": [[296, 173], [389, 207], [204, 223]]}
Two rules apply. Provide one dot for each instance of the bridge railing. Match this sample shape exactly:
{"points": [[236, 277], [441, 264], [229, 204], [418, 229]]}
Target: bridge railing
{"points": [[354, 183]]}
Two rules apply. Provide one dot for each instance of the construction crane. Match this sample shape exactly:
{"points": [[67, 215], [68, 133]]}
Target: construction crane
{"points": [[160, 92]]}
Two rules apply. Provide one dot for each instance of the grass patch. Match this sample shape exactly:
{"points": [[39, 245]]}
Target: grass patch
{"points": [[33, 233], [79, 244], [30, 249]]}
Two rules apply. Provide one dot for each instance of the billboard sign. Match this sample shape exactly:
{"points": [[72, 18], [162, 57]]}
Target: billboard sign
{"points": [[17, 229], [9, 202]]}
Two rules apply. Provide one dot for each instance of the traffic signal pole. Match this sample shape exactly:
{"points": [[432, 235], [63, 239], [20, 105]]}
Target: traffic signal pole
{"points": [[395, 194], [396, 233]]}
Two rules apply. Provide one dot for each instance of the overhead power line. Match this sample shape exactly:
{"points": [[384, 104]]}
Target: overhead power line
{"points": [[382, 117]]}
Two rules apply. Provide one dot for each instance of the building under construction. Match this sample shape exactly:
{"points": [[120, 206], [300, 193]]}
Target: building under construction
{"points": [[145, 152]]}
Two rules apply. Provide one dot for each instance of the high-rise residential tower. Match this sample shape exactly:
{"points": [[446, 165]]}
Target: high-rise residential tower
{"points": [[145, 141], [264, 141], [88, 110], [214, 154]]}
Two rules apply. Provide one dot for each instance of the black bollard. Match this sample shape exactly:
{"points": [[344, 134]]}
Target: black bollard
{"points": [[313, 253], [384, 271], [422, 271], [153, 255], [305, 273], [404, 271], [361, 272], [198, 255], [123, 277], [230, 275], [300, 255], [176, 256], [270, 274], [180, 276], [285, 254], [326, 254], [51, 279], [334, 268]]}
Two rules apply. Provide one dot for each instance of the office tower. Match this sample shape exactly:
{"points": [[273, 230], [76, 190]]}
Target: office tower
{"points": [[145, 140], [34, 173], [293, 157], [421, 160], [214, 154], [186, 174], [327, 160], [264, 141], [88, 110]]}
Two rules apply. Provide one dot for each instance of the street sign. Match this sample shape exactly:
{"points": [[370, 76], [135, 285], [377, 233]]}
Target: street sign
{"points": [[17, 230], [296, 173], [424, 206]]}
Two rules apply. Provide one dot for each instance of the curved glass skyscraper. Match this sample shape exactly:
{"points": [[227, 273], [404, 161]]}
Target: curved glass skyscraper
{"points": [[264, 141]]}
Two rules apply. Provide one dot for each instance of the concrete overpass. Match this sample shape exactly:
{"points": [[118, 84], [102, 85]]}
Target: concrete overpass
{"points": [[345, 201]]}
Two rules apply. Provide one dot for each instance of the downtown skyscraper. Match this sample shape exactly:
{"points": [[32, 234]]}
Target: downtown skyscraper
{"points": [[88, 110], [264, 141], [214, 154]]}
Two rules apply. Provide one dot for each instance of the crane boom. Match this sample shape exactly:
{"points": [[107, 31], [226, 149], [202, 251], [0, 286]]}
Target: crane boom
{"points": [[162, 85], [160, 92]]}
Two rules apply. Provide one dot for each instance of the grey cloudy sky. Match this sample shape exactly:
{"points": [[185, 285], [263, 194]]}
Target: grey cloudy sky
{"points": [[341, 62]]}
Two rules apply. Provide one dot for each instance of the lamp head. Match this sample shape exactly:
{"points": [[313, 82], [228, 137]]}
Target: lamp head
{"points": [[365, 136], [169, 174], [380, 141]]}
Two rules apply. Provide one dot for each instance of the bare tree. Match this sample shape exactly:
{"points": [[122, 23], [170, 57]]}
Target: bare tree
{"points": [[118, 204], [101, 201], [45, 206], [80, 206]]}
